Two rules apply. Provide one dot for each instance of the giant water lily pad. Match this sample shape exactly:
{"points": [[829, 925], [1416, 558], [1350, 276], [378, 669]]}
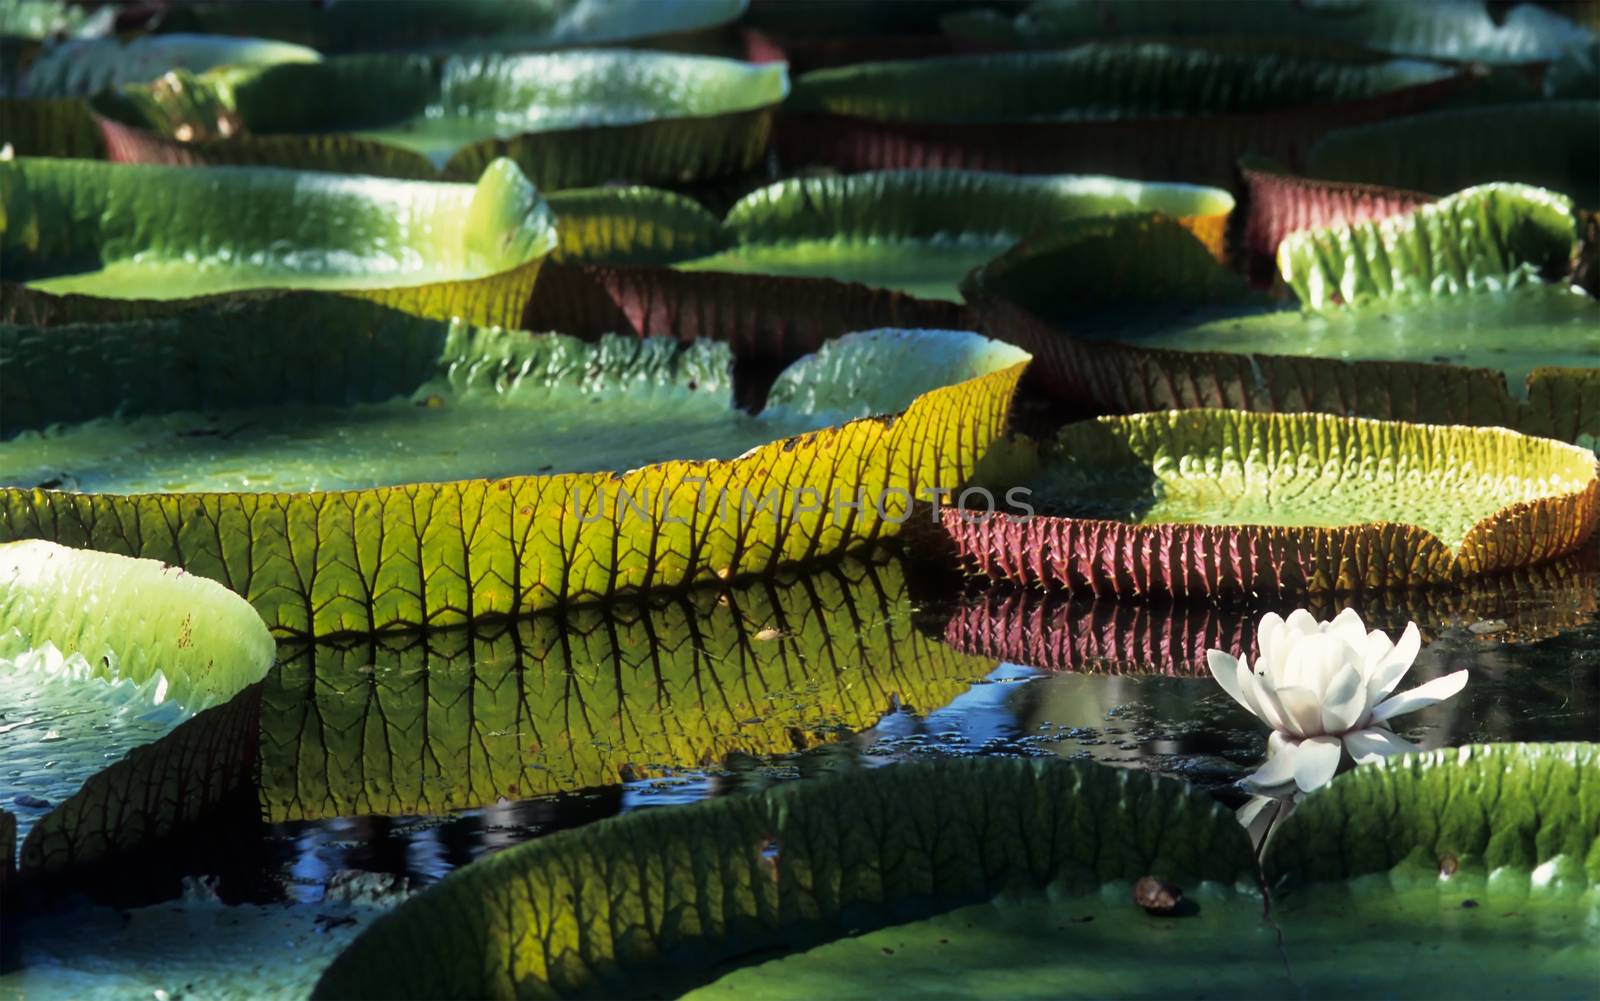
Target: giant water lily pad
{"points": [[80, 67], [1148, 111], [455, 25], [42, 111], [1014, 878], [921, 231], [100, 653], [329, 458], [568, 119], [1437, 314], [1442, 151], [142, 232], [1465, 31], [1212, 501]]}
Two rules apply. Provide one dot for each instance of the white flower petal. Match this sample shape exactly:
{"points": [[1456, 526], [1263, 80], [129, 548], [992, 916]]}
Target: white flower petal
{"points": [[1252, 808], [1229, 671], [1347, 625], [1420, 697], [1279, 767], [1344, 701], [1269, 634], [1374, 650], [1315, 762], [1376, 742], [1302, 709], [1394, 667], [1267, 705]]}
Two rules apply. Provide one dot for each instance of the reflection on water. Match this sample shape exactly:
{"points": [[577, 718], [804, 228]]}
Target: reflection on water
{"points": [[412, 757]]}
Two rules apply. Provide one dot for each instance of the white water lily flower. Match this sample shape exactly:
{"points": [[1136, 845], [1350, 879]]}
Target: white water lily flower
{"points": [[1325, 688]]}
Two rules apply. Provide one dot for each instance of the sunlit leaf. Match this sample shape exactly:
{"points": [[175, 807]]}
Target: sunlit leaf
{"points": [[1200, 502], [140, 232], [265, 460]]}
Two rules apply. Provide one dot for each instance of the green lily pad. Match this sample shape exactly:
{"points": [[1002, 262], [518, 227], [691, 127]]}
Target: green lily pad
{"points": [[1198, 111], [662, 897], [568, 119], [1322, 942], [631, 226], [100, 653], [1463, 31], [182, 779], [620, 465], [41, 19], [80, 67], [1433, 315], [429, 724], [1198, 502], [1442, 151], [184, 637], [921, 231], [456, 25], [1011, 878], [140, 232]]}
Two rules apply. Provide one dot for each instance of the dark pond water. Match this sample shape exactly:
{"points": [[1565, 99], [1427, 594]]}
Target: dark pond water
{"points": [[390, 763]]}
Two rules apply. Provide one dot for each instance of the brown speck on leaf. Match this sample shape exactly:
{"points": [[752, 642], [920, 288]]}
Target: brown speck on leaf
{"points": [[1156, 895], [1449, 865], [888, 951]]}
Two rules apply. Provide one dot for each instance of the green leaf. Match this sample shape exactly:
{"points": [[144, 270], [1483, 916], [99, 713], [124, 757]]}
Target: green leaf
{"points": [[1154, 324], [1197, 111], [432, 723], [1330, 941], [1097, 82], [114, 619], [1443, 151], [1009, 878], [41, 19], [100, 653], [123, 232], [921, 231], [646, 476], [1197, 502], [654, 901], [170, 785], [1492, 237], [632, 225], [80, 67], [1463, 31], [456, 25], [49, 127], [1525, 814], [568, 119]]}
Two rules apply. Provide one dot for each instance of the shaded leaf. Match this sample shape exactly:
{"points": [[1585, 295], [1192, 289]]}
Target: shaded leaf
{"points": [[661, 897], [567, 119], [456, 25], [1557, 143], [1465, 31], [1146, 111]]}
